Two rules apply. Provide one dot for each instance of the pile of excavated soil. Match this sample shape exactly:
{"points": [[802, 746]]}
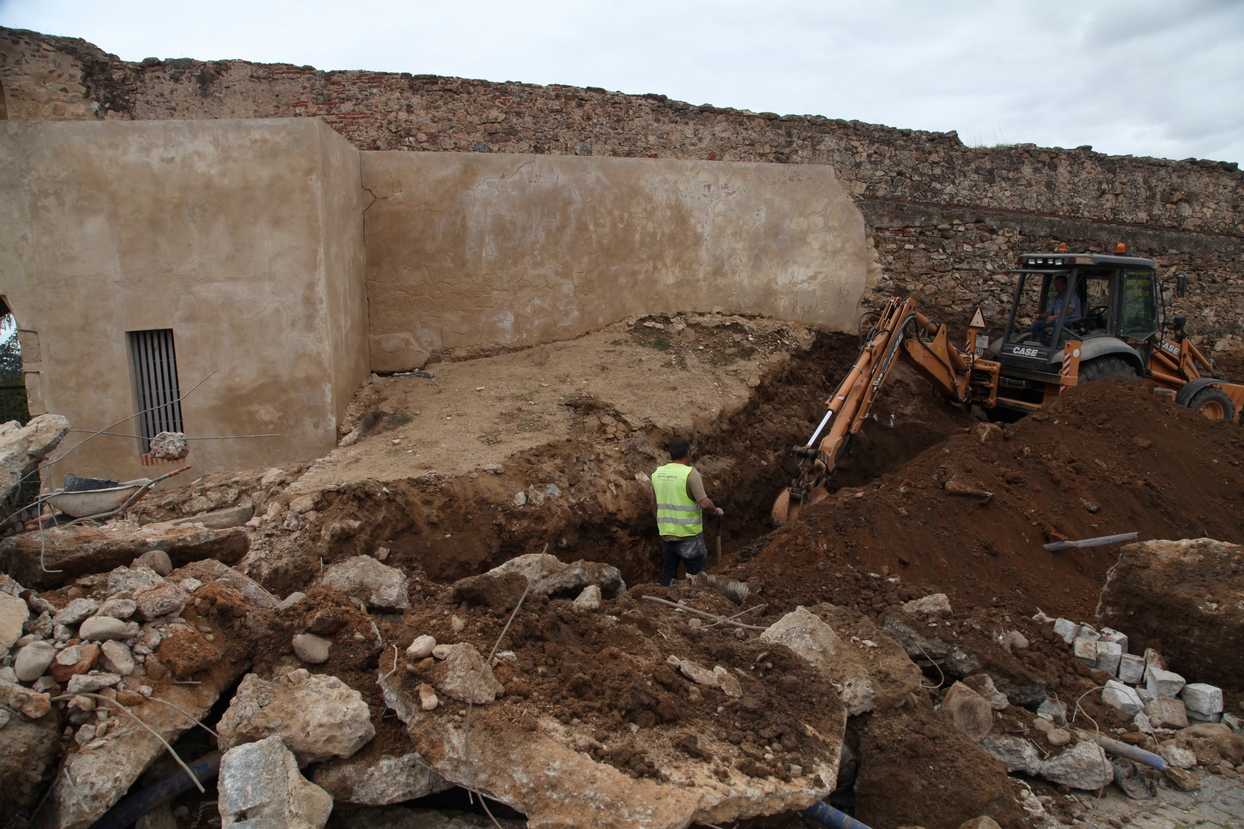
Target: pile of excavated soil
{"points": [[1104, 459]]}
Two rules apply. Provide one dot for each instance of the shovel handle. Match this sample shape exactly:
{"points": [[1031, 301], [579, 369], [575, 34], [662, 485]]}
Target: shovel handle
{"points": [[719, 540]]}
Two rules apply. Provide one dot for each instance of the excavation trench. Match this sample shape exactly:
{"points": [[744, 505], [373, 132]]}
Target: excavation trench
{"points": [[586, 497]]}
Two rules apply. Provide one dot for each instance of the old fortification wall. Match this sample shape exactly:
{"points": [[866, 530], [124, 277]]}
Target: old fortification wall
{"points": [[943, 217]]}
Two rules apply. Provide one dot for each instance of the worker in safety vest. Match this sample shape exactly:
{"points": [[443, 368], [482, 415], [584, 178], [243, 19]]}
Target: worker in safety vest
{"points": [[680, 505]]}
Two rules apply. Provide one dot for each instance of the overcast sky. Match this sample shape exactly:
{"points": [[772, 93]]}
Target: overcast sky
{"points": [[1142, 77]]}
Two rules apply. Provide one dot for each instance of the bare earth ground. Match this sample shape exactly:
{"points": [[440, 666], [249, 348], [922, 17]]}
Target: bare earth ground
{"points": [[491, 457]]}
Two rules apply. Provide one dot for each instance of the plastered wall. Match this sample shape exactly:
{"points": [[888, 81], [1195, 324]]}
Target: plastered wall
{"points": [[479, 249], [243, 237]]}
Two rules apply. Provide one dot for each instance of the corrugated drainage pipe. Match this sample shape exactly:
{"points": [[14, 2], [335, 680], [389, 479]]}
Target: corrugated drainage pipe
{"points": [[827, 815]]}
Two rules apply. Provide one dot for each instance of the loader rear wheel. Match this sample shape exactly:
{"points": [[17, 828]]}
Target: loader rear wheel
{"points": [[1106, 368], [1212, 403]]}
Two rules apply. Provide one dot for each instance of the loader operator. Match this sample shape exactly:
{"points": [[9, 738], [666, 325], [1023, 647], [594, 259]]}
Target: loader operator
{"points": [[1045, 320], [680, 505]]}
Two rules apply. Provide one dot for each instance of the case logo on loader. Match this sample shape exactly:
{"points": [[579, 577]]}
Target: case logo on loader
{"points": [[1024, 351], [1170, 348]]}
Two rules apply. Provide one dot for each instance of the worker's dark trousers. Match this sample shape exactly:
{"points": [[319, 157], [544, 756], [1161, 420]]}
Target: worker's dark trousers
{"points": [[689, 551]]}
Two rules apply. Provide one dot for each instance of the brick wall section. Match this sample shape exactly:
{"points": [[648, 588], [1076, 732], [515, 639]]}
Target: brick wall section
{"points": [[945, 217]]}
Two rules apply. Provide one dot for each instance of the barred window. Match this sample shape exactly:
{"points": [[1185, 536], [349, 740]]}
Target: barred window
{"points": [[153, 365]]}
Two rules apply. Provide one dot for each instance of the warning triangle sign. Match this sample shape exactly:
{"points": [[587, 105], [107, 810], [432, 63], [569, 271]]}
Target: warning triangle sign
{"points": [[978, 320]]}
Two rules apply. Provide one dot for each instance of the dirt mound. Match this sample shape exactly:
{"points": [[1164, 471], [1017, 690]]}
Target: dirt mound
{"points": [[970, 515]]}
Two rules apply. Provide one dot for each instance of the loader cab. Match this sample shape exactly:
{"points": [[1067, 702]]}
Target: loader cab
{"points": [[1113, 310]]}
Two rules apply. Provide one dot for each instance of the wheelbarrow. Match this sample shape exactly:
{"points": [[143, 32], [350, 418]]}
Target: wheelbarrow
{"points": [[94, 504]]}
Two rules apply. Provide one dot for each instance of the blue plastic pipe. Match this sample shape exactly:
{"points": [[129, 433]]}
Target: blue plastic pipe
{"points": [[134, 806], [827, 815], [1131, 752]]}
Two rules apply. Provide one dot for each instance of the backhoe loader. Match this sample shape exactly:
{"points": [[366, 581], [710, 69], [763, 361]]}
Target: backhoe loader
{"points": [[1114, 328]]}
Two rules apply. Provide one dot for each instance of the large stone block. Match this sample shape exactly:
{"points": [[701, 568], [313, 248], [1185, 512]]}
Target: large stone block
{"points": [[375, 584], [1120, 696], [1166, 712], [1188, 595], [260, 787], [1132, 668], [1162, 683], [318, 716], [1202, 700]]}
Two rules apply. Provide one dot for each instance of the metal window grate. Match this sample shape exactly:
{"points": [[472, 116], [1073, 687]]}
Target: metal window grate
{"points": [[153, 364]]}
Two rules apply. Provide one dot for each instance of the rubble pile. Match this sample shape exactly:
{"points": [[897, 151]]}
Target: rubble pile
{"points": [[889, 655]]}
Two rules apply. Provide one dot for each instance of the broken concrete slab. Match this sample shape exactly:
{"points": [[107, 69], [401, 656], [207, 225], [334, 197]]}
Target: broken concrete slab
{"points": [[260, 786], [365, 780], [79, 550], [104, 770], [545, 770], [317, 716], [1188, 595], [556, 578], [220, 519], [362, 577], [867, 678]]}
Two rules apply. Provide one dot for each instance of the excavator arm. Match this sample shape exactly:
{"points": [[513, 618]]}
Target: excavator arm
{"points": [[899, 331]]}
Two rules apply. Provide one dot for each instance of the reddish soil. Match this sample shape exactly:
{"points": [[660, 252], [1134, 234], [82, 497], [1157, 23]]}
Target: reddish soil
{"points": [[1105, 459]]}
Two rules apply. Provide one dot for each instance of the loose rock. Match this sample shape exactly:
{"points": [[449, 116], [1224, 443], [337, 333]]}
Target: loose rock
{"points": [[260, 786], [366, 579]]}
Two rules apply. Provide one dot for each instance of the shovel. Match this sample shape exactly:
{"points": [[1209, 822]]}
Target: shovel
{"points": [[719, 540]]}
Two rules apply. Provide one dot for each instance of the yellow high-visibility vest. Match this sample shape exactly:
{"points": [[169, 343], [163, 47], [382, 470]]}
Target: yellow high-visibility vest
{"points": [[677, 514]]}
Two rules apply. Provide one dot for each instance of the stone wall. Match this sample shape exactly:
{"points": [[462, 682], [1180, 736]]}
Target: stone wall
{"points": [[944, 217]]}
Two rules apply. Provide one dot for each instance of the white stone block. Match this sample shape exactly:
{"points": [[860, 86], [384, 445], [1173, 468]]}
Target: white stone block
{"points": [[1112, 635], [1108, 656], [1123, 697], [1195, 718], [1088, 632], [1086, 651], [1202, 700], [1145, 696], [1162, 683], [1132, 668], [1066, 629]]}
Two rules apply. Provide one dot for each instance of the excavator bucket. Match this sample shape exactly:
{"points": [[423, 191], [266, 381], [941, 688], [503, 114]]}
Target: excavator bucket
{"points": [[785, 508]]}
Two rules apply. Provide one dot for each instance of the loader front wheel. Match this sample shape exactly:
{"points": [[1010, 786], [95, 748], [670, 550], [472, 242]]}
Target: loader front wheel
{"points": [[1212, 403], [1106, 368]]}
